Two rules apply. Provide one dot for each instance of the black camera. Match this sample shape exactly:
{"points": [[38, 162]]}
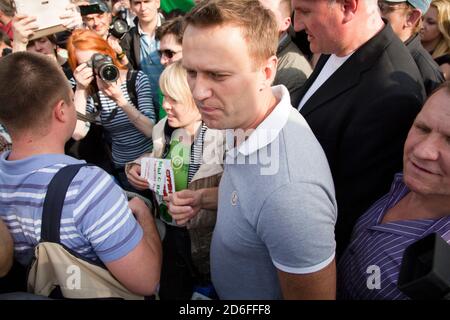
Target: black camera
{"points": [[6, 51], [118, 28], [104, 67], [91, 9], [425, 270]]}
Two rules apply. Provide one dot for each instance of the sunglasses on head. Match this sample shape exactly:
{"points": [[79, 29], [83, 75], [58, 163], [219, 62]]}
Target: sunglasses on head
{"points": [[386, 7], [168, 53]]}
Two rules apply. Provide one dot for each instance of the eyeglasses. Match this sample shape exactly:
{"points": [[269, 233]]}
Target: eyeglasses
{"points": [[168, 53], [386, 7]]}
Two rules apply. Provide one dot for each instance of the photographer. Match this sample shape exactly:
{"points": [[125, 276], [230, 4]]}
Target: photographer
{"points": [[97, 17], [128, 124], [121, 10]]}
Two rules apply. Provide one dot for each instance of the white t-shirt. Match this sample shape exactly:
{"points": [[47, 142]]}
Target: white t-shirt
{"points": [[330, 67]]}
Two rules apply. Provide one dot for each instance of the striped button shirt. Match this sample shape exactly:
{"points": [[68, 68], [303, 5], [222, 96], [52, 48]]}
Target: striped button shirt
{"points": [[96, 221], [128, 143], [196, 152], [377, 249]]}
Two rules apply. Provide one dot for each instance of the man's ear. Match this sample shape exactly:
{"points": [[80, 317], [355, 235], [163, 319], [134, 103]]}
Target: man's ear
{"points": [[413, 18], [349, 8], [286, 24], [269, 71], [60, 111]]}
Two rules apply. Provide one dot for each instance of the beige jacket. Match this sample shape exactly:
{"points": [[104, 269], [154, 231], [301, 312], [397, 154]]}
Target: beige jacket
{"points": [[208, 176]]}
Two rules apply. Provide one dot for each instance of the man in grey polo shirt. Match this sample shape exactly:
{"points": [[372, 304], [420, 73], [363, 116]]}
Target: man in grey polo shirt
{"points": [[274, 236]]}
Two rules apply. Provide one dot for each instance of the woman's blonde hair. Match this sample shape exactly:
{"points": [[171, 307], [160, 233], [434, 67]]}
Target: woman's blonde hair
{"points": [[443, 22], [173, 83]]}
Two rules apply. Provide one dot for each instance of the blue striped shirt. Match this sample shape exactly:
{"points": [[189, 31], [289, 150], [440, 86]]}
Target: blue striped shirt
{"points": [[382, 245], [128, 143], [96, 221]]}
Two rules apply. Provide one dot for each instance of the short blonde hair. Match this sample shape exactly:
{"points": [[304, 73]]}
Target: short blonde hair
{"points": [[173, 83]]}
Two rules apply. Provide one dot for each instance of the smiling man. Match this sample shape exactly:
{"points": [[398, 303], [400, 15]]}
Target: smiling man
{"points": [[360, 100], [418, 204], [274, 235]]}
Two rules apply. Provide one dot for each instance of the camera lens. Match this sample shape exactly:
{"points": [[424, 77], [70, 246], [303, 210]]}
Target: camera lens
{"points": [[119, 28], [109, 73]]}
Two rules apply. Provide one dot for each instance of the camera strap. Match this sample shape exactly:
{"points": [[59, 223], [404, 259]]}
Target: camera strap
{"points": [[131, 89], [131, 86]]}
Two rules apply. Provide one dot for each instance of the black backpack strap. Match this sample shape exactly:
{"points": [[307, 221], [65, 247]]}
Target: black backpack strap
{"points": [[54, 202], [131, 86]]}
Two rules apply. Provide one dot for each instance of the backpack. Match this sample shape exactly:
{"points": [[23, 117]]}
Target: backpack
{"points": [[58, 271]]}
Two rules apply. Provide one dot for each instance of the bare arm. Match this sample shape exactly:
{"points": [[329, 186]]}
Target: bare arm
{"points": [[140, 270], [320, 285], [6, 250], [23, 28], [83, 76], [139, 120]]}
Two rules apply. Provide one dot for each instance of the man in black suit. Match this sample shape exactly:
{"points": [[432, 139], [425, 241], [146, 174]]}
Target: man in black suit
{"points": [[360, 101]]}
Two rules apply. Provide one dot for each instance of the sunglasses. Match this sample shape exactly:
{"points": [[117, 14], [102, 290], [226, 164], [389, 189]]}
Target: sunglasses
{"points": [[386, 7], [168, 53]]}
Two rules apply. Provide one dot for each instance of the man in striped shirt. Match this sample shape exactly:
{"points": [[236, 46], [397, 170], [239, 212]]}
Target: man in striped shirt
{"points": [[418, 204], [97, 221]]}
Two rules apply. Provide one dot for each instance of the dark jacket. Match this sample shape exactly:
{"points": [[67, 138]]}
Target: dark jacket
{"points": [[361, 116], [131, 45], [429, 69], [293, 69]]}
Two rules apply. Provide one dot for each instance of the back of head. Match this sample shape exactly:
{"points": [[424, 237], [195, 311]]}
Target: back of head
{"points": [[30, 86], [258, 24], [173, 83], [7, 7], [282, 9], [443, 21], [83, 39]]}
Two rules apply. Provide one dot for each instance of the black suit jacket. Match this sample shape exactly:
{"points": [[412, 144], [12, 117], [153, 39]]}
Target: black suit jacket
{"points": [[361, 116]]}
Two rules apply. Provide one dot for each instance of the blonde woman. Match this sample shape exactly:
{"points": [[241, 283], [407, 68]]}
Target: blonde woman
{"points": [[190, 213], [435, 34]]}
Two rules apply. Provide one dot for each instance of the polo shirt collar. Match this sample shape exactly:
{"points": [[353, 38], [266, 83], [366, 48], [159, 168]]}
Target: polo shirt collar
{"points": [[33, 163], [267, 131]]}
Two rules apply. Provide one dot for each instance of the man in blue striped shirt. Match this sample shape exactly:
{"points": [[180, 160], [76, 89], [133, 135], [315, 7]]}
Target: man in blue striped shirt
{"points": [[97, 221], [418, 204]]}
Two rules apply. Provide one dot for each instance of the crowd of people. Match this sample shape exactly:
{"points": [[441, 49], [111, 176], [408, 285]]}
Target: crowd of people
{"points": [[295, 169]]}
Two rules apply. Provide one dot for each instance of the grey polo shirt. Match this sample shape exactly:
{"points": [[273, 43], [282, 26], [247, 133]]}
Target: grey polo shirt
{"points": [[277, 207]]}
